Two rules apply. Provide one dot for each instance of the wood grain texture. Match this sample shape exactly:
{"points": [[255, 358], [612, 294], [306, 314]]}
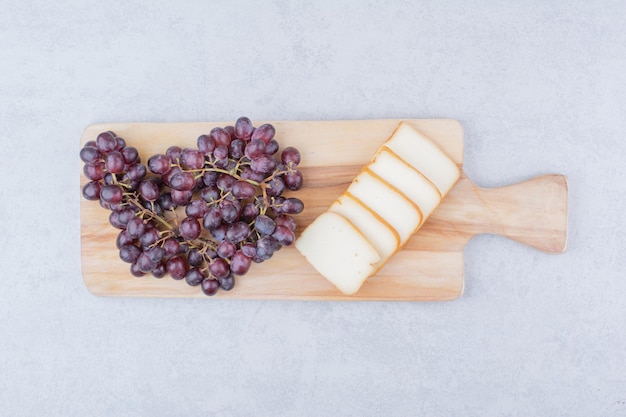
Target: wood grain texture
{"points": [[429, 267]]}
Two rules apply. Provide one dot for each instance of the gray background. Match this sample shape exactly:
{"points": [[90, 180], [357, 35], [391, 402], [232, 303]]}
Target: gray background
{"points": [[539, 88]]}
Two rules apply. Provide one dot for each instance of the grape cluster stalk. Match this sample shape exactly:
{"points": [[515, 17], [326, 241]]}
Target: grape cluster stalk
{"points": [[231, 188]]}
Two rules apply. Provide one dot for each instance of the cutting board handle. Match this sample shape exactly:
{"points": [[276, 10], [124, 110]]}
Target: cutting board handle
{"points": [[533, 212]]}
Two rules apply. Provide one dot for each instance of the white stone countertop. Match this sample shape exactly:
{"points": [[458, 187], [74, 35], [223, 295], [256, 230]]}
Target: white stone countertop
{"points": [[539, 87]]}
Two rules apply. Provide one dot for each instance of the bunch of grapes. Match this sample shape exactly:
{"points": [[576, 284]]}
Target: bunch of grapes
{"points": [[230, 187]]}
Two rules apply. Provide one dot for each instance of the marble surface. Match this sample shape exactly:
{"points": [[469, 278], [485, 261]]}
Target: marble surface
{"points": [[540, 87]]}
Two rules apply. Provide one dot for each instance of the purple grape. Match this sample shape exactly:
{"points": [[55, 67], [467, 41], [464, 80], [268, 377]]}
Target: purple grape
{"points": [[276, 186], [136, 172], [105, 142], [221, 152], [114, 162], [206, 144], [227, 283], [240, 263], [114, 219], [177, 267], [171, 247], [237, 148], [243, 189], [264, 248], [194, 257], [243, 128], [225, 182], [287, 221], [195, 276], [129, 253], [94, 171], [210, 194], [209, 178], [249, 250], [90, 154], [238, 232], [159, 270], [182, 181], [220, 136], [192, 159], [212, 219], [293, 180], [293, 206], [166, 202], [125, 215], [144, 263], [156, 254], [226, 249], [149, 190], [231, 210], [149, 237], [219, 233], [276, 246], [264, 225], [231, 131], [91, 190], [190, 228], [120, 143], [272, 147], [219, 268], [130, 154], [159, 164], [290, 156], [249, 212], [283, 235], [174, 152], [134, 269], [210, 286], [255, 149], [123, 238], [135, 227], [181, 198], [196, 209], [263, 164], [111, 193], [265, 132]]}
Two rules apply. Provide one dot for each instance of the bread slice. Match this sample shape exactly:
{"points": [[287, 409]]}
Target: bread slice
{"points": [[385, 200], [338, 251], [375, 229], [423, 155], [408, 180]]}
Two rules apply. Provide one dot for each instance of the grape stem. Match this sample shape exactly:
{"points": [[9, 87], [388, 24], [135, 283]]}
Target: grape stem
{"points": [[234, 172], [150, 213]]}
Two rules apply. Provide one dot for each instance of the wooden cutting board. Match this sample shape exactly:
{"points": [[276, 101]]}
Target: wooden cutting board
{"points": [[430, 266]]}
